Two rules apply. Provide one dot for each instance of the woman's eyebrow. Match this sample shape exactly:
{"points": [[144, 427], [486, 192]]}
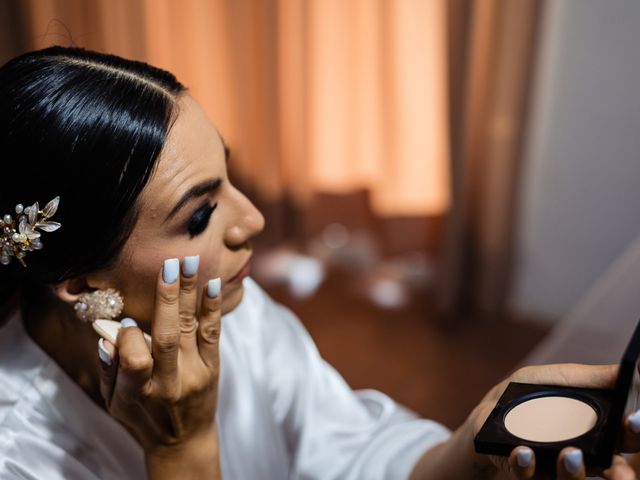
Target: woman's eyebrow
{"points": [[202, 188]]}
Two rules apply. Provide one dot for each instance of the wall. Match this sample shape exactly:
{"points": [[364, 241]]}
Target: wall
{"points": [[580, 203]]}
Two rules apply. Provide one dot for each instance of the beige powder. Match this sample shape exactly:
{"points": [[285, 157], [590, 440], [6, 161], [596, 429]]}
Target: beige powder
{"points": [[550, 419]]}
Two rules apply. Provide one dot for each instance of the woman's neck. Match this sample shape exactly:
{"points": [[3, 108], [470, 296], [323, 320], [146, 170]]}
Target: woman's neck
{"points": [[69, 341]]}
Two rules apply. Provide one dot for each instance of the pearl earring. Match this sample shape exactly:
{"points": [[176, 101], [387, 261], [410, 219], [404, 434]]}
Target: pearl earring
{"points": [[105, 304]]}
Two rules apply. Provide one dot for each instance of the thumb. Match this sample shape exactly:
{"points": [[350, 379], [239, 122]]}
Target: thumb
{"points": [[108, 369]]}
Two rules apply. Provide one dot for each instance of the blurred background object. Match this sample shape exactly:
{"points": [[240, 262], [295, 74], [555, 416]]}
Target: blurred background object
{"points": [[443, 180]]}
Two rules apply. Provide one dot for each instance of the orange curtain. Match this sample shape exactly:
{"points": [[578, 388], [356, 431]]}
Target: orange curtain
{"points": [[311, 95]]}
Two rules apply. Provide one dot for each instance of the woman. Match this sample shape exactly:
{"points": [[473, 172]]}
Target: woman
{"points": [[148, 215]]}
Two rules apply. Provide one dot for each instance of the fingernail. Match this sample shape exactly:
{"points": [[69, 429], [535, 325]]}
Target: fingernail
{"points": [[573, 461], [634, 421], [102, 352], [128, 322], [190, 265], [170, 270], [524, 457], [213, 288]]}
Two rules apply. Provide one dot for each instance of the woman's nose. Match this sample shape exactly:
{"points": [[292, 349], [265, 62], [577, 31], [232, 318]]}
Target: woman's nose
{"points": [[248, 223]]}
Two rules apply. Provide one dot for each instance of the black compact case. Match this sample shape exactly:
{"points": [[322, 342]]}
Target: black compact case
{"points": [[598, 444]]}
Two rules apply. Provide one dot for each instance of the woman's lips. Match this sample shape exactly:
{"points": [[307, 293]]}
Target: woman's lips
{"points": [[244, 272]]}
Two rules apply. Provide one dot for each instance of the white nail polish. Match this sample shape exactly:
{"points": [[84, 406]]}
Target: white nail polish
{"points": [[128, 322], [634, 421], [190, 265], [213, 288], [573, 461], [103, 353], [170, 270], [524, 457]]}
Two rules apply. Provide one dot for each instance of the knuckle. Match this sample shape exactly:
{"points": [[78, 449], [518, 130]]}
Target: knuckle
{"points": [[188, 327], [167, 296], [188, 285], [135, 363], [187, 320], [203, 384], [210, 332], [167, 342], [200, 390], [171, 398]]}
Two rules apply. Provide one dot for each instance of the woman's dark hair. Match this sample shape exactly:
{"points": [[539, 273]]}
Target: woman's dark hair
{"points": [[88, 127]]}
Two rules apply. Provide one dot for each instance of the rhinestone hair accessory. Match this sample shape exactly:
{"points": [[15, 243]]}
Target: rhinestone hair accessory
{"points": [[105, 304], [19, 236]]}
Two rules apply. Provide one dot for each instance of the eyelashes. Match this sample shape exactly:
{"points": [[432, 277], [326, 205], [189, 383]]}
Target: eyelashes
{"points": [[199, 221]]}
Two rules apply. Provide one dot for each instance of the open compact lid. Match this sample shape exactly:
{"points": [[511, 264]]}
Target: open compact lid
{"points": [[598, 444], [625, 396]]}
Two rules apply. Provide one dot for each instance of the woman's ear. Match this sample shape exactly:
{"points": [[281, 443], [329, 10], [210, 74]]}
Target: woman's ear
{"points": [[70, 290]]}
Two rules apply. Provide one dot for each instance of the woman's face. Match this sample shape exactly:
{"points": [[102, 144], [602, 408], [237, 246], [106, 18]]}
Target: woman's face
{"points": [[187, 208]]}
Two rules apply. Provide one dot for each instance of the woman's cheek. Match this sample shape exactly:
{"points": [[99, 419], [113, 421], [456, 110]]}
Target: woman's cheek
{"points": [[138, 281], [139, 299], [209, 265]]}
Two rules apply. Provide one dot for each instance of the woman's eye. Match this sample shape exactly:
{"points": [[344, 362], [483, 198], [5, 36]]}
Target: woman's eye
{"points": [[200, 219]]}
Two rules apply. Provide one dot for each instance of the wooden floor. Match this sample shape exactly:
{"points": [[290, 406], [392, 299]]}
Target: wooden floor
{"points": [[439, 372]]}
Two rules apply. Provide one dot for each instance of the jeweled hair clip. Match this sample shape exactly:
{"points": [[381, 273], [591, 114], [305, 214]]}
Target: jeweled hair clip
{"points": [[19, 236]]}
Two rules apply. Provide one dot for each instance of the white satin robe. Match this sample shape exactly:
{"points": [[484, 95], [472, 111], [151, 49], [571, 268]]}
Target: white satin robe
{"points": [[283, 412]]}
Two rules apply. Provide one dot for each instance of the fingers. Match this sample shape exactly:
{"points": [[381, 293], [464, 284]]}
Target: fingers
{"points": [[522, 463], [165, 328], [570, 465], [619, 470], [188, 302], [569, 374], [175, 327], [209, 328], [135, 363], [108, 369]]}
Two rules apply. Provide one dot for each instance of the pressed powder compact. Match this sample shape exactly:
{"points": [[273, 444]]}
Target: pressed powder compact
{"points": [[548, 418]]}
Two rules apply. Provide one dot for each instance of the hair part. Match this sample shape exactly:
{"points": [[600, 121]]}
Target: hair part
{"points": [[88, 127]]}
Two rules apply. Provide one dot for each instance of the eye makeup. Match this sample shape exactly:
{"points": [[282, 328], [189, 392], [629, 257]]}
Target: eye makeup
{"points": [[548, 418], [199, 221]]}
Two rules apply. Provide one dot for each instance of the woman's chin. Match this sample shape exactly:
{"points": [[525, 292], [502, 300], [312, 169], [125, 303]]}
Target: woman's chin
{"points": [[232, 299]]}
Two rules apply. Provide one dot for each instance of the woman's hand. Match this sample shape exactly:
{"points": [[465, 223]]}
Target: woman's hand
{"points": [[167, 397], [521, 464]]}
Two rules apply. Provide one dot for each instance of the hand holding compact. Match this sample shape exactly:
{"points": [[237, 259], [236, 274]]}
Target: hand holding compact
{"points": [[521, 464], [167, 397]]}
